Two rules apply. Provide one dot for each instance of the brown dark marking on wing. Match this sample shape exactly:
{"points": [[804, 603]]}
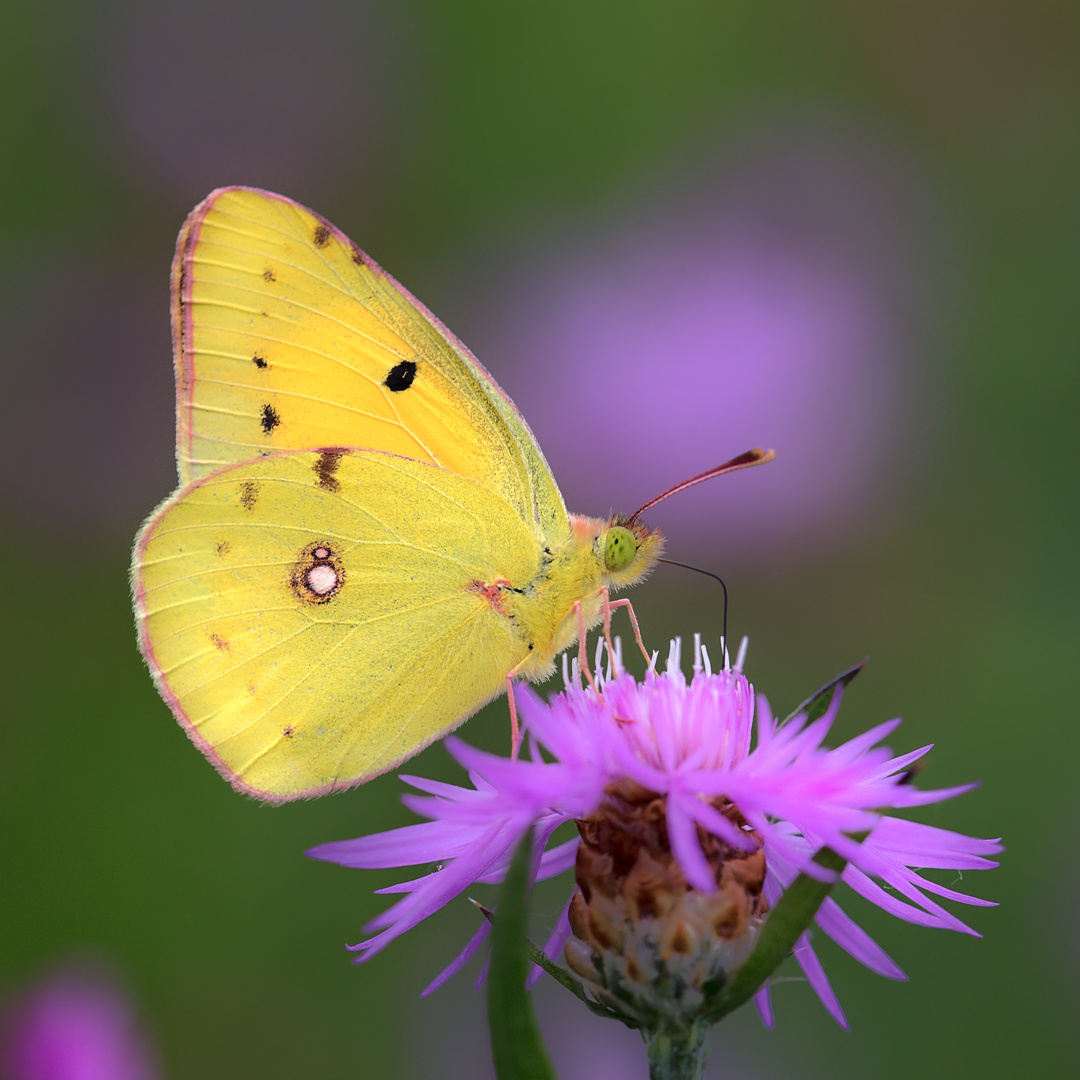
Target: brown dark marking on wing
{"points": [[219, 642], [326, 464], [357, 256], [268, 275], [224, 547], [270, 418], [322, 236], [249, 494], [259, 362]]}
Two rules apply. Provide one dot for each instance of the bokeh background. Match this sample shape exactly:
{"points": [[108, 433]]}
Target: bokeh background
{"points": [[848, 230]]}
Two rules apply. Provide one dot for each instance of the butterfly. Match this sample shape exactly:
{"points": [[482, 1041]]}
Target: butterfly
{"points": [[366, 544]]}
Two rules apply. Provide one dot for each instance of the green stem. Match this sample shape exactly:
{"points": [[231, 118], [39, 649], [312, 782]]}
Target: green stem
{"points": [[677, 1054], [517, 1047]]}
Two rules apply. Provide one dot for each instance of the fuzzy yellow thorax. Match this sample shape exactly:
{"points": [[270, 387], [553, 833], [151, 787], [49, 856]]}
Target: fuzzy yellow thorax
{"points": [[579, 570]]}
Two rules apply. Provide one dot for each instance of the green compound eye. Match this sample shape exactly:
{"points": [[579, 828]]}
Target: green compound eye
{"points": [[620, 547]]}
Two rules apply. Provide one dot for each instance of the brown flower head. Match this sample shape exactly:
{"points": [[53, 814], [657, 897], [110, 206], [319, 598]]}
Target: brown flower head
{"points": [[645, 937]]}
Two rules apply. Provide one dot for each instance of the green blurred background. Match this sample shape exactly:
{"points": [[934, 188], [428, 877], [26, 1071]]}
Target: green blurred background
{"points": [[447, 137]]}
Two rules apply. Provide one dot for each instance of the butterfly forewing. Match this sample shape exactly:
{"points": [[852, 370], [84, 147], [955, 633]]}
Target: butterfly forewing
{"points": [[288, 337]]}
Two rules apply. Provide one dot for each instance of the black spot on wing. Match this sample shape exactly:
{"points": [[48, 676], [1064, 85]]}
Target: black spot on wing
{"points": [[357, 256], [400, 376], [326, 464], [249, 494], [268, 275], [223, 548], [270, 419], [259, 362], [321, 236]]}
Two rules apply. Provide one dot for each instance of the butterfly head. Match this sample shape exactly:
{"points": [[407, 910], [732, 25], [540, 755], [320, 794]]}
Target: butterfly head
{"points": [[629, 549]]}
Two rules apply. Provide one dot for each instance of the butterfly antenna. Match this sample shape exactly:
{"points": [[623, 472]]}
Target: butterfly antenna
{"points": [[743, 461], [723, 585]]}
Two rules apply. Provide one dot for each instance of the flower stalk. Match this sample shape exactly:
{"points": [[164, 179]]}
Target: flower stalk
{"points": [[516, 1045], [677, 1053]]}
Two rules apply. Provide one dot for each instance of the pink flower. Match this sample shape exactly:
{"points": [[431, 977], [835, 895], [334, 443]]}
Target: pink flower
{"points": [[675, 758], [74, 1026]]}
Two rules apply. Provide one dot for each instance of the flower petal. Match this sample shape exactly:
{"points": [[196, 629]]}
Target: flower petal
{"points": [[808, 960], [684, 843], [460, 960], [855, 941], [763, 1004]]}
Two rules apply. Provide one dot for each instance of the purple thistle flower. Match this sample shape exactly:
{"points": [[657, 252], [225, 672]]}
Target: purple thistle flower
{"points": [[687, 835]]}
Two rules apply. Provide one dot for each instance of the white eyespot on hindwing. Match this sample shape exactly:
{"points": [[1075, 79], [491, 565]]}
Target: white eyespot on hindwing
{"points": [[318, 574], [321, 579]]}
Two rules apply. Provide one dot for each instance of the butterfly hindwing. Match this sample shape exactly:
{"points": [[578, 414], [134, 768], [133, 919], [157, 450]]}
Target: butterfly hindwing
{"points": [[313, 618], [288, 337]]}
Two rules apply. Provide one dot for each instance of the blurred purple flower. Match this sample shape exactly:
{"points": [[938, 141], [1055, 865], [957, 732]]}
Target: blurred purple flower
{"points": [[689, 745], [776, 308], [74, 1026]]}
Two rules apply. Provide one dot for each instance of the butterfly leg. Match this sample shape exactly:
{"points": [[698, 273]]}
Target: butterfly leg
{"points": [[583, 660], [609, 607], [606, 607], [515, 728]]}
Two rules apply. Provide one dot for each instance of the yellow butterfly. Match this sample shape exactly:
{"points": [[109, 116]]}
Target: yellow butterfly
{"points": [[367, 543]]}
